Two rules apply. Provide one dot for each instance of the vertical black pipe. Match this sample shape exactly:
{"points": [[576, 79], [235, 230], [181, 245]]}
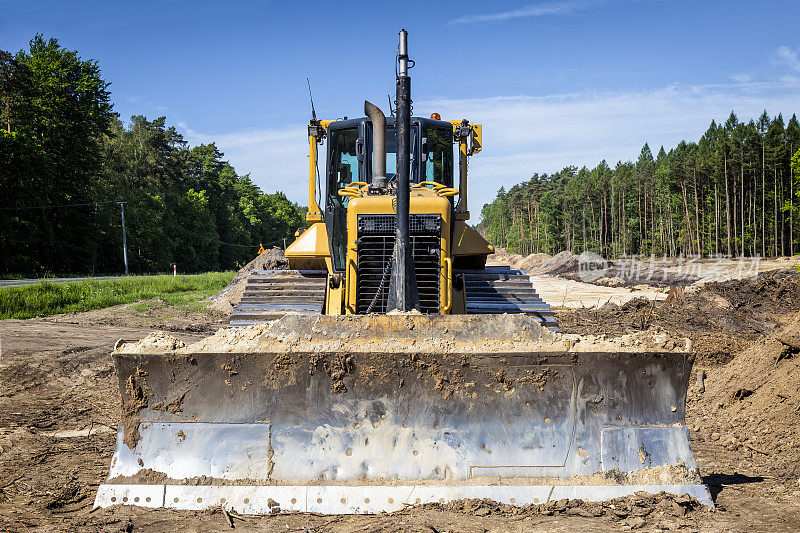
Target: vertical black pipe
{"points": [[403, 294]]}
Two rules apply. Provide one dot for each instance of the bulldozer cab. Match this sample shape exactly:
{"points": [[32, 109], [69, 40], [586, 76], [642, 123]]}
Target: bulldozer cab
{"points": [[350, 160]]}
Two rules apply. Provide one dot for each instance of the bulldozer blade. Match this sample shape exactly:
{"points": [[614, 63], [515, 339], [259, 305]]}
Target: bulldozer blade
{"points": [[363, 414]]}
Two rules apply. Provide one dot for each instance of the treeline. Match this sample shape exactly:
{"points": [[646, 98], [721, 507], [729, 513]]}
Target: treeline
{"points": [[66, 161], [734, 192]]}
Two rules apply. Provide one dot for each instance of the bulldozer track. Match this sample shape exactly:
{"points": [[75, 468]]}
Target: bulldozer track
{"points": [[505, 290], [271, 294]]}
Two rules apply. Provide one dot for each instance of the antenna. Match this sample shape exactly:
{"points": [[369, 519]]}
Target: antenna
{"points": [[391, 108], [313, 111]]}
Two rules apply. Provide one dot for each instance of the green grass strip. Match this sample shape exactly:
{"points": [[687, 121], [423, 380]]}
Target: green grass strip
{"points": [[49, 298]]}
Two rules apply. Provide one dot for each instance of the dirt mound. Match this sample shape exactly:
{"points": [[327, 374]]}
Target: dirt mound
{"points": [[721, 318], [501, 256], [226, 299], [564, 262], [754, 402], [446, 334], [618, 273], [532, 261]]}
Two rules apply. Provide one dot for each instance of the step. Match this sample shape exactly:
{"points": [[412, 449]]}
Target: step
{"points": [[284, 273], [512, 306], [289, 306], [266, 282], [283, 298], [271, 293], [532, 301]]}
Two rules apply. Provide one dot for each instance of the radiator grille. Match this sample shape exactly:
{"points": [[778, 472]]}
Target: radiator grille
{"points": [[374, 247]]}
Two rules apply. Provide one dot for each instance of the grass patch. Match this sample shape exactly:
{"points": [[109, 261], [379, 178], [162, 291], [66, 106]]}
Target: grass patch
{"points": [[49, 298]]}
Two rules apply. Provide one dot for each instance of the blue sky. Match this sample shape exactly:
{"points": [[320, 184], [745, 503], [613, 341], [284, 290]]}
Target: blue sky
{"points": [[554, 83]]}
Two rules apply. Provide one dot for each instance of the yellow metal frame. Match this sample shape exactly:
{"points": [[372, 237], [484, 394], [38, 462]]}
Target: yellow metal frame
{"points": [[314, 213], [422, 201], [310, 250], [466, 147]]}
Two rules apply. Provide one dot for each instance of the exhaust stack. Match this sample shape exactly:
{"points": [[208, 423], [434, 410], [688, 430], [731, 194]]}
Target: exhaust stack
{"points": [[403, 294], [378, 144]]}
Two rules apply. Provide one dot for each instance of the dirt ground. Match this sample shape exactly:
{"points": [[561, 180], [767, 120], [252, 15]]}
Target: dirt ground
{"points": [[721, 318], [59, 408], [629, 272]]}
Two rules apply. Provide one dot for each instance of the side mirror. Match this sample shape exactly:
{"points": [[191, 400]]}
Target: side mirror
{"points": [[424, 155]]}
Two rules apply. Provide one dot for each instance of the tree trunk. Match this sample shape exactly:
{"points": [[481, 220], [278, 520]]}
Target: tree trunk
{"points": [[697, 216], [530, 224], [763, 201], [503, 230], [583, 223], [645, 225], [716, 221], [775, 210], [741, 165], [639, 202], [688, 239], [727, 202], [782, 216], [603, 237]]}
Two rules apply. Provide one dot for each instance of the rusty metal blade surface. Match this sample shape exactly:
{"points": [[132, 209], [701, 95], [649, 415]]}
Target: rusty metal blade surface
{"points": [[338, 418]]}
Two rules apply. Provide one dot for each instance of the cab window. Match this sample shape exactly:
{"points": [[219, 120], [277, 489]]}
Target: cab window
{"points": [[439, 160], [391, 153], [344, 161], [343, 169]]}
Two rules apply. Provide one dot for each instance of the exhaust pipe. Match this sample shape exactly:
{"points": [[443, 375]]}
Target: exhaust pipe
{"points": [[403, 294], [378, 144]]}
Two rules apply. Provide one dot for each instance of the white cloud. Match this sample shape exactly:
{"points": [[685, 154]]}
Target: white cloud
{"points": [[537, 10], [786, 56], [742, 77], [275, 158], [527, 134]]}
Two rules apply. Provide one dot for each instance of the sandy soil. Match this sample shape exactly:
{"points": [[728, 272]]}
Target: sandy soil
{"points": [[559, 283], [156, 315], [561, 292], [59, 408]]}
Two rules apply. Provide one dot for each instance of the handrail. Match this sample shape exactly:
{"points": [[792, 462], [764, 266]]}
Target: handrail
{"points": [[347, 277], [440, 189], [351, 189], [436, 185], [449, 285]]}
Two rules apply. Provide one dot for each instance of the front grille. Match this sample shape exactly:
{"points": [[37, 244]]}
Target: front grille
{"points": [[375, 245]]}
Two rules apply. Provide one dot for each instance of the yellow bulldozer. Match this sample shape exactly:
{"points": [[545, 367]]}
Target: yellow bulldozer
{"points": [[389, 366], [346, 262]]}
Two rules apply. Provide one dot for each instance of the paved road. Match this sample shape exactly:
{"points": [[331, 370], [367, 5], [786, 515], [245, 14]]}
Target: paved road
{"points": [[22, 282]]}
